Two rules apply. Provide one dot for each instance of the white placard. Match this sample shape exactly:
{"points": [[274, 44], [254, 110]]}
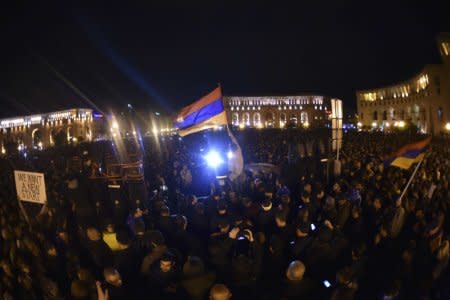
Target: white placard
{"points": [[30, 186]]}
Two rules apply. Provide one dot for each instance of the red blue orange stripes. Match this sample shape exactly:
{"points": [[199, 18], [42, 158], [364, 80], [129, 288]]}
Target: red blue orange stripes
{"points": [[205, 113], [407, 155]]}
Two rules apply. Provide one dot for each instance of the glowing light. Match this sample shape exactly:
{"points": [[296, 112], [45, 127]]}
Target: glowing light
{"points": [[306, 124], [230, 155], [374, 124], [40, 145], [3, 150], [213, 159], [74, 139], [401, 124], [241, 126], [387, 124], [447, 126], [115, 125], [359, 124], [134, 132]]}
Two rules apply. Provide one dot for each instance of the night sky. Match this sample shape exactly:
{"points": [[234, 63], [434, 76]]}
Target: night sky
{"points": [[163, 56]]}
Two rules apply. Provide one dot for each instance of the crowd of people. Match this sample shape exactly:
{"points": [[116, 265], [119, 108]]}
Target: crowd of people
{"points": [[301, 233]]}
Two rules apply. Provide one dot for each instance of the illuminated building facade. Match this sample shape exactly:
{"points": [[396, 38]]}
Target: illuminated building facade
{"points": [[40, 130], [423, 100], [278, 111]]}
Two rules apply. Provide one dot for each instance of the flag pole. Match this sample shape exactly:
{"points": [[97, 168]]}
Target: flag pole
{"points": [[220, 87], [410, 179]]}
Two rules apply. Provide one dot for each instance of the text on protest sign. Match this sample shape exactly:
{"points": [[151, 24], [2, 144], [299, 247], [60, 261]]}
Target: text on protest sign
{"points": [[30, 186]]}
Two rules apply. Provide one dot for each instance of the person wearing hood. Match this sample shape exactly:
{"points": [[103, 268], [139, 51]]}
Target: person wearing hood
{"points": [[196, 280]]}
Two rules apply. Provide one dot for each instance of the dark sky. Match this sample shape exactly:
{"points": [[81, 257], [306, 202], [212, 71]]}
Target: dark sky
{"points": [[166, 55]]}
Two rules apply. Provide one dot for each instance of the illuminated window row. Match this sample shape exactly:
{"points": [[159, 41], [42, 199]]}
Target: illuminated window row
{"points": [[274, 101], [400, 91], [81, 114]]}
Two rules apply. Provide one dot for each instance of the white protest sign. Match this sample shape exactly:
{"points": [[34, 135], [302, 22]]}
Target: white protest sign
{"points": [[30, 186]]}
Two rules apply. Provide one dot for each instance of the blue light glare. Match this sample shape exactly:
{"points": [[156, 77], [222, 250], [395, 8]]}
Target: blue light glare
{"points": [[230, 154], [213, 159]]}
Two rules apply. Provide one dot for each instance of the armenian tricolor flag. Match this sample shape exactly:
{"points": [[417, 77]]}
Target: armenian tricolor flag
{"points": [[409, 154], [208, 112]]}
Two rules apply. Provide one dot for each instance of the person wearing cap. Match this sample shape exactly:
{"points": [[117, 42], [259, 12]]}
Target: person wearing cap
{"points": [[296, 285], [221, 215], [140, 242], [196, 280], [199, 221], [185, 241], [302, 241], [219, 248], [265, 219]]}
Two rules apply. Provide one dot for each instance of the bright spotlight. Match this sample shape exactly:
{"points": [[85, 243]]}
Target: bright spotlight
{"points": [[447, 126], [230, 154], [213, 159]]}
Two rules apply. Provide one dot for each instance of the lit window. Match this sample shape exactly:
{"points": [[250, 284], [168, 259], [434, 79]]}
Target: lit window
{"points": [[446, 48]]}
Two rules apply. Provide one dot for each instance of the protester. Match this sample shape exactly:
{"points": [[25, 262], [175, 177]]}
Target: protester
{"points": [[295, 233]]}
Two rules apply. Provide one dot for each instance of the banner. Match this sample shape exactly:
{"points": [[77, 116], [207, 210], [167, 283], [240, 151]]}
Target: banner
{"points": [[30, 187]]}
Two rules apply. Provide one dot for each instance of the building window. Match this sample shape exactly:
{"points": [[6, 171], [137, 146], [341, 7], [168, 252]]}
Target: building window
{"points": [[362, 116], [246, 119], [235, 119], [391, 113], [304, 117], [384, 115], [282, 119], [256, 119], [375, 116]]}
